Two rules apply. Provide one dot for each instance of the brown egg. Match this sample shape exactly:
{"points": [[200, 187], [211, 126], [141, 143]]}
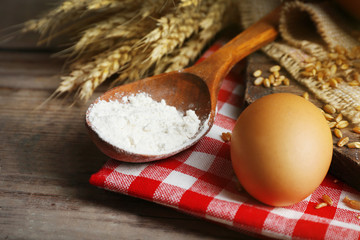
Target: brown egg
{"points": [[281, 149]]}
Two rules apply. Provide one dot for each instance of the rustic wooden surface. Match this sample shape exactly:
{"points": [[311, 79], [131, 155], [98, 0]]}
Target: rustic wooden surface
{"points": [[345, 164], [46, 159], [15, 12]]}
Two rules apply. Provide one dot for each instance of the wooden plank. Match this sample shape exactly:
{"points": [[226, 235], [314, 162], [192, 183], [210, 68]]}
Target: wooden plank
{"points": [[346, 162], [13, 13], [46, 159]]}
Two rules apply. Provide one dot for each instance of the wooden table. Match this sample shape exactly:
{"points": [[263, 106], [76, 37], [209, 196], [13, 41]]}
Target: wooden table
{"points": [[46, 159]]}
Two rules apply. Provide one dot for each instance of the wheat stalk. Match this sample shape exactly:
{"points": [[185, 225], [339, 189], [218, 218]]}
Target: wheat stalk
{"points": [[131, 38], [174, 28]]}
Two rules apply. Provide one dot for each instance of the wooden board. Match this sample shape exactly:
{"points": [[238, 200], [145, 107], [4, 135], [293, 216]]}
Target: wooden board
{"points": [[346, 162]]}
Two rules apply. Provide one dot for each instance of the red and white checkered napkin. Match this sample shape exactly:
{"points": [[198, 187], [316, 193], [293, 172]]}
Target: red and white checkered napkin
{"points": [[200, 181]]}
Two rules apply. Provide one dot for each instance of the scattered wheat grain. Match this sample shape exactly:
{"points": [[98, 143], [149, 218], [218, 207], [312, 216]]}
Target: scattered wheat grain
{"points": [[258, 81], [257, 73], [342, 124], [226, 136], [329, 109], [327, 199], [343, 141], [275, 68], [354, 145], [352, 203], [338, 133], [320, 205]]}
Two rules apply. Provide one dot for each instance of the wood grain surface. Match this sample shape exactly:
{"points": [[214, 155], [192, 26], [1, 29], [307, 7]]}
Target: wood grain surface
{"points": [[13, 13], [345, 164], [46, 159]]}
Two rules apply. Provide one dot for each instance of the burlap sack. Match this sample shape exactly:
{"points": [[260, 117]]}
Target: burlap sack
{"points": [[311, 31]]}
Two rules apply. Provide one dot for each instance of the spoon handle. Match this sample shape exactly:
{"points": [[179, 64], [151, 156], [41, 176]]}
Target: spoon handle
{"points": [[213, 69]]}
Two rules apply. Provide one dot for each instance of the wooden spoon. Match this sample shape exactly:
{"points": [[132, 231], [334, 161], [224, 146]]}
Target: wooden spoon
{"points": [[193, 88]]}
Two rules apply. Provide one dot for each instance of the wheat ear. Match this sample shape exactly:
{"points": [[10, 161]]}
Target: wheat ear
{"points": [[133, 71], [173, 29], [101, 30], [137, 69], [126, 24], [53, 18], [209, 27]]}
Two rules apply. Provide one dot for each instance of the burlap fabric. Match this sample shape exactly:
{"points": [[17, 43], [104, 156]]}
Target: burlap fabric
{"points": [[310, 30]]}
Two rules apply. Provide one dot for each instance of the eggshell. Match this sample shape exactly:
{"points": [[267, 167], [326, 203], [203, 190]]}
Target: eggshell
{"points": [[281, 149]]}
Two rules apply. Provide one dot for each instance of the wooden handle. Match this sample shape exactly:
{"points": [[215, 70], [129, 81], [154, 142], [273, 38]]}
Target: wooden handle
{"points": [[213, 69]]}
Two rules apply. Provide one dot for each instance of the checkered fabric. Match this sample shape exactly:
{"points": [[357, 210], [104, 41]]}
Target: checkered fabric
{"points": [[200, 181]]}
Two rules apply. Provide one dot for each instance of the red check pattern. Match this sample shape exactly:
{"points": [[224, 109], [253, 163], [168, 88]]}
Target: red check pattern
{"points": [[200, 181]]}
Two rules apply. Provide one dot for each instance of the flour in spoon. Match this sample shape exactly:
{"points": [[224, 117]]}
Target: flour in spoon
{"points": [[141, 125]]}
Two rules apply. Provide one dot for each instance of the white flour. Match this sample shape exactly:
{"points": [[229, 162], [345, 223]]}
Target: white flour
{"points": [[141, 125]]}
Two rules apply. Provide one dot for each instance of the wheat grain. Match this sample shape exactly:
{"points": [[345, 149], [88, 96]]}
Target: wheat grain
{"points": [[332, 124], [286, 82], [354, 145], [328, 116], [356, 129], [338, 133], [187, 3], [306, 95], [226, 136], [343, 141], [321, 205], [107, 4], [339, 117], [327, 199], [266, 83], [258, 81], [329, 108], [275, 68], [257, 73], [342, 124], [354, 204]]}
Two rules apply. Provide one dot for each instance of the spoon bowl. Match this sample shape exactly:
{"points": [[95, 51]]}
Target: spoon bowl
{"points": [[195, 88], [183, 90]]}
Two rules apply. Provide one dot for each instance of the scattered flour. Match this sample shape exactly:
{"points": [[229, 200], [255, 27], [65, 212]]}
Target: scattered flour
{"points": [[141, 125]]}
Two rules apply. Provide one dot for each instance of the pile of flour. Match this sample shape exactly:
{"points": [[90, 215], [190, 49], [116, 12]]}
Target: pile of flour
{"points": [[141, 125]]}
